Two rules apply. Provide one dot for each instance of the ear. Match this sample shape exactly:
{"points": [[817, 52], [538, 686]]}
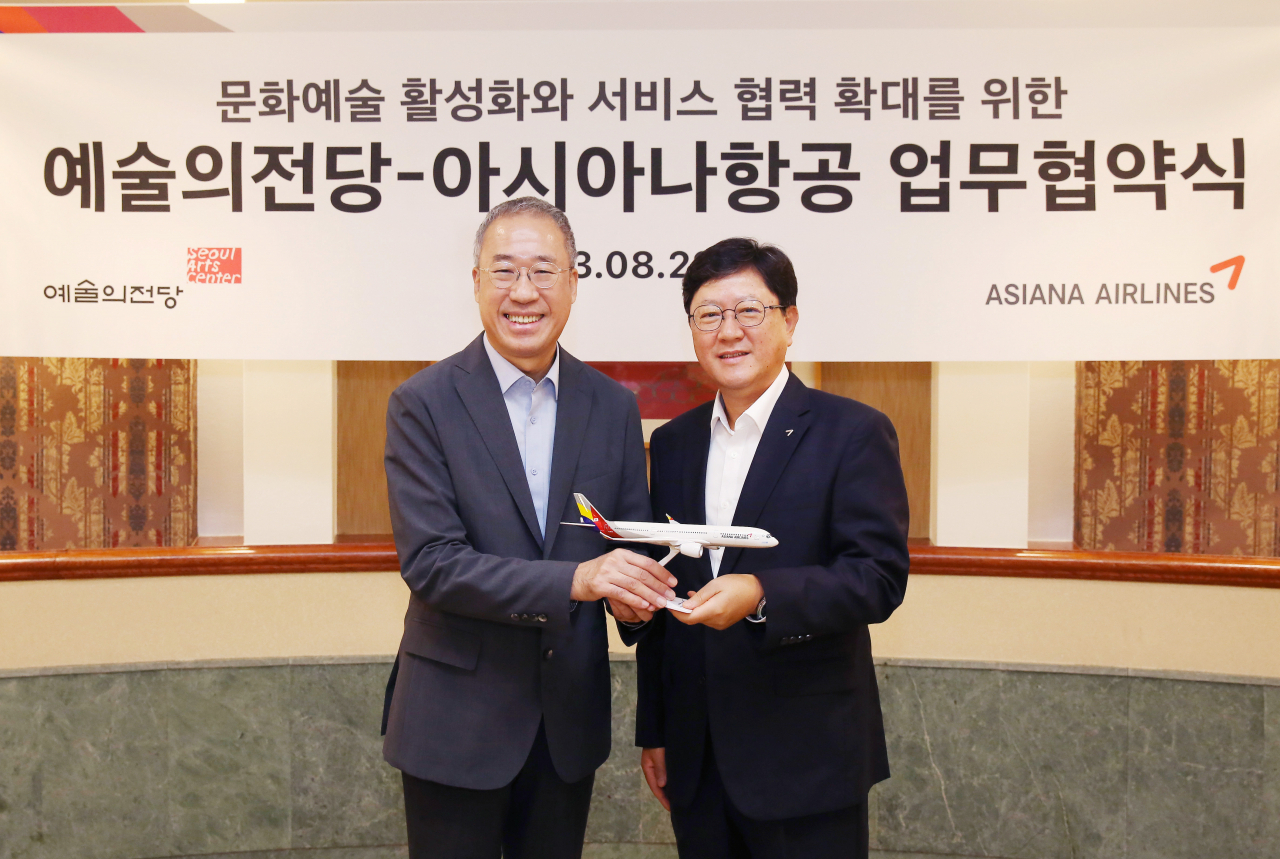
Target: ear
{"points": [[573, 285], [792, 318], [475, 283]]}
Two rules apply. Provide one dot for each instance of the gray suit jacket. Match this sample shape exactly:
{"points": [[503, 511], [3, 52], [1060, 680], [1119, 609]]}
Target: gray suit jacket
{"points": [[492, 643]]}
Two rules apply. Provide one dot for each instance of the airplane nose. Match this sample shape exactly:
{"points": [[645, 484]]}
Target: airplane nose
{"points": [[773, 541]]}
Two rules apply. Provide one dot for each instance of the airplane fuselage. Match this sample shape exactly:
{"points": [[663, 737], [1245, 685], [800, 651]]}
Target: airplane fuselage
{"points": [[689, 540], [678, 534]]}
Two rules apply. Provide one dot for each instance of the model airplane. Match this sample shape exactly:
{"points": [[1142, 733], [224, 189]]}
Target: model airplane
{"points": [[691, 540]]}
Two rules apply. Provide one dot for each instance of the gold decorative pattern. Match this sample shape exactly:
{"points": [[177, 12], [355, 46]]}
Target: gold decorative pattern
{"points": [[1178, 456], [96, 453]]}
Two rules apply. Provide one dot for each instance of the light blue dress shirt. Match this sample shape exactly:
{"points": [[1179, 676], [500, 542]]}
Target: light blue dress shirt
{"points": [[532, 408]]}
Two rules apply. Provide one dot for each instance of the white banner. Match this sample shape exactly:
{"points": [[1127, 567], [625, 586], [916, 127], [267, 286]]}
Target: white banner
{"points": [[1044, 194]]}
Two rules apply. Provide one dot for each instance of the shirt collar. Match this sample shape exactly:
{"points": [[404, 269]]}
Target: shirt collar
{"points": [[508, 374], [759, 411]]}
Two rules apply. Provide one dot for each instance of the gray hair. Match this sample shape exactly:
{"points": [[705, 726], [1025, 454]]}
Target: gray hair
{"points": [[521, 206]]}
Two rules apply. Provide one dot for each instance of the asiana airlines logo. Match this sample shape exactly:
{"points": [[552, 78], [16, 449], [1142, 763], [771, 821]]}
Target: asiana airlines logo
{"points": [[1140, 292]]}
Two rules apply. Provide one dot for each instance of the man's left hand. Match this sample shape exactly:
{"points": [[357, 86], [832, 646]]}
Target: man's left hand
{"points": [[723, 601], [625, 613]]}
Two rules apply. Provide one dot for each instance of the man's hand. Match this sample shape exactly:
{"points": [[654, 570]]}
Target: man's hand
{"points": [[654, 764], [627, 614], [623, 577], [723, 601]]}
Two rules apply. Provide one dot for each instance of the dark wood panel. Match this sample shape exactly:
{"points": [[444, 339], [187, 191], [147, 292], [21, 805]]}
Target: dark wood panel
{"points": [[903, 391], [377, 557], [363, 390], [196, 561], [1158, 568]]}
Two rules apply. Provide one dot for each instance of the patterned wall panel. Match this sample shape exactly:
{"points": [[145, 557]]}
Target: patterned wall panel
{"points": [[96, 453], [1178, 456]]}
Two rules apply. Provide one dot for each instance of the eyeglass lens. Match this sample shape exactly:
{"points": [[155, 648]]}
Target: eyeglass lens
{"points": [[542, 275], [749, 314]]}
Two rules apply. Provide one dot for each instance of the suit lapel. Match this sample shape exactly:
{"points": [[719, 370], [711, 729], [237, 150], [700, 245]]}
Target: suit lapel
{"points": [[696, 448], [478, 388], [573, 413], [782, 434]]}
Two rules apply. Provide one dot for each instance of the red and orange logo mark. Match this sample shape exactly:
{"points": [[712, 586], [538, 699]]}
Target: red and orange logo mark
{"points": [[214, 265]]}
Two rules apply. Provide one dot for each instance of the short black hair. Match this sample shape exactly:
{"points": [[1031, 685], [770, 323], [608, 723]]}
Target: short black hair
{"points": [[730, 256]]}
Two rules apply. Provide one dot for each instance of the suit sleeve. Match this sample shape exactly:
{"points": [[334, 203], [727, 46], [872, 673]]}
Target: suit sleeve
{"points": [[650, 706], [436, 559], [866, 578], [634, 505]]}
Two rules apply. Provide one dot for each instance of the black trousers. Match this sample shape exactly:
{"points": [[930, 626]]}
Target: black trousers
{"points": [[712, 828], [537, 816]]}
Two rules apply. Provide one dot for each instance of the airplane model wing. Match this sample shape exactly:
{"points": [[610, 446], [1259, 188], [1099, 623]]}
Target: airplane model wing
{"points": [[690, 540]]}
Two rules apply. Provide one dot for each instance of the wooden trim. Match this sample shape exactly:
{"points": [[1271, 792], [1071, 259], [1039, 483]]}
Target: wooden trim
{"points": [[1156, 568], [196, 561], [350, 557]]}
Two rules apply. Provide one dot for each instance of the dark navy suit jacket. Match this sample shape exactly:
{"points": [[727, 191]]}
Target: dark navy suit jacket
{"points": [[491, 646], [791, 704]]}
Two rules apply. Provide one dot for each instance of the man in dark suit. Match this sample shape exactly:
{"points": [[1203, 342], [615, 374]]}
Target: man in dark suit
{"points": [[497, 709], [759, 716]]}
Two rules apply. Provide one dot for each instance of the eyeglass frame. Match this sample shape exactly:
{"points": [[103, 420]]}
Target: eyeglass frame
{"points": [[734, 311], [525, 272]]}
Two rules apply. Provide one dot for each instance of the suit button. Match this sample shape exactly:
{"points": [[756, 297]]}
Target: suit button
{"points": [[548, 653], [515, 617], [542, 618], [524, 617]]}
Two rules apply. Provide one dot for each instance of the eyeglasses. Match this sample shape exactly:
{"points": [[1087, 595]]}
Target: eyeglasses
{"points": [[543, 275], [748, 314]]}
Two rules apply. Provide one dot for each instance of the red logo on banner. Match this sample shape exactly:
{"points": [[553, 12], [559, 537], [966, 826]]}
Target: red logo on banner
{"points": [[213, 265]]}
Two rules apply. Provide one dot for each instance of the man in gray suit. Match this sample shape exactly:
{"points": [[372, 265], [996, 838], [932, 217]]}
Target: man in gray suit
{"points": [[497, 710]]}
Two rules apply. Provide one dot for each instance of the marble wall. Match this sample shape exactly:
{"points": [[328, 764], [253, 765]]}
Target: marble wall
{"points": [[283, 761]]}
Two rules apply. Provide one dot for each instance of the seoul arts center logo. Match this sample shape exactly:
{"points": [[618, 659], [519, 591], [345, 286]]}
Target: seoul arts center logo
{"points": [[214, 265]]}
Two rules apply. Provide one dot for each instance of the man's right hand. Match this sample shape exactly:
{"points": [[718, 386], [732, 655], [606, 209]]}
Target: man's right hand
{"points": [[654, 764], [624, 577]]}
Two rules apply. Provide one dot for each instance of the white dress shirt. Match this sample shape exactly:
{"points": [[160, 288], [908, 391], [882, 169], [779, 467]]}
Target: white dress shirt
{"points": [[729, 458], [532, 408]]}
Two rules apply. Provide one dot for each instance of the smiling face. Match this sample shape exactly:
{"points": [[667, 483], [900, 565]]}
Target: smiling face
{"points": [[743, 362], [524, 322]]}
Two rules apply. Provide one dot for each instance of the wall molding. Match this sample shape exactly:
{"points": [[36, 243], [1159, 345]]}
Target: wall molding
{"points": [[629, 656], [1095, 670], [1151, 568], [195, 665]]}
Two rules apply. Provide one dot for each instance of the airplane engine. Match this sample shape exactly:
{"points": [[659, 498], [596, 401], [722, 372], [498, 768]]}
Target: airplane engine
{"points": [[693, 550]]}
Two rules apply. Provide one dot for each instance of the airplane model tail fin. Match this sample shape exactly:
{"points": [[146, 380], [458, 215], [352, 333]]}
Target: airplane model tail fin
{"points": [[588, 510], [672, 520]]}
